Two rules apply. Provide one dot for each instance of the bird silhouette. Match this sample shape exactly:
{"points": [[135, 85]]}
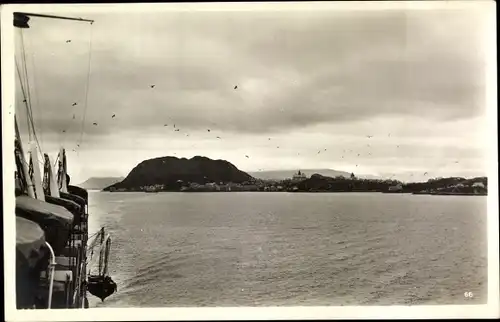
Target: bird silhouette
{"points": [[425, 173], [64, 131], [236, 87], [174, 126], [208, 130], [369, 136], [94, 123], [218, 137], [113, 115], [69, 40], [177, 130], [246, 156], [319, 152], [165, 125], [24, 101], [153, 86], [358, 154], [74, 104]]}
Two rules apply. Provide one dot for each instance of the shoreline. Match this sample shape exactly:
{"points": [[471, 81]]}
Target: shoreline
{"points": [[302, 192]]}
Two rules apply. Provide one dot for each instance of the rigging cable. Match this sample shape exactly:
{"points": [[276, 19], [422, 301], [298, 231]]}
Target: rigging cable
{"points": [[24, 95], [30, 118], [36, 93], [27, 95], [89, 65]]}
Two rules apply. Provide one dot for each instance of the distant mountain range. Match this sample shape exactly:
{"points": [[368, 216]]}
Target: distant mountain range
{"points": [[99, 183], [171, 172], [286, 174]]}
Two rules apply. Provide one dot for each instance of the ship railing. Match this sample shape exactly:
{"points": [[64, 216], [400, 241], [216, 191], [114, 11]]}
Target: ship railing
{"points": [[74, 259], [82, 235], [52, 267]]}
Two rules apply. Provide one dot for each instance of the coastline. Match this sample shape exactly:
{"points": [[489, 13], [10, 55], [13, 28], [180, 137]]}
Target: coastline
{"points": [[304, 192]]}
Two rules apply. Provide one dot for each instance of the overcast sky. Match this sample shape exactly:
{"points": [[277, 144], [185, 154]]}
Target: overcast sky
{"points": [[307, 82]]}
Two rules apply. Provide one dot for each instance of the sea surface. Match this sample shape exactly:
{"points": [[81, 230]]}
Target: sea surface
{"points": [[289, 249]]}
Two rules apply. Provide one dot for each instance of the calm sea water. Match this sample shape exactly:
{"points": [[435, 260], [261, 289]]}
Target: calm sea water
{"points": [[268, 249]]}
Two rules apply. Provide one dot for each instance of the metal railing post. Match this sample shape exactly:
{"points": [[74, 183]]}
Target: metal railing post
{"points": [[52, 266]]}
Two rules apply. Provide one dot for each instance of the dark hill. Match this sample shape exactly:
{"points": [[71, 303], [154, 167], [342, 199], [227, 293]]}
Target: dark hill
{"points": [[169, 170]]}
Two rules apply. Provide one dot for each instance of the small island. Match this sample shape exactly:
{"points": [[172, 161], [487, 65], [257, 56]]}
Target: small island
{"points": [[202, 174]]}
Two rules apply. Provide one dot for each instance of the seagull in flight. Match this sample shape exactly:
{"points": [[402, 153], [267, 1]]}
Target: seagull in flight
{"points": [[153, 86], [208, 130], [246, 156], [69, 40], [218, 137], [94, 123], [369, 136], [236, 87], [74, 104], [113, 115]]}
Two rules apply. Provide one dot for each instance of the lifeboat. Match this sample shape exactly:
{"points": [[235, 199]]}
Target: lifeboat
{"points": [[32, 257], [101, 286], [54, 220]]}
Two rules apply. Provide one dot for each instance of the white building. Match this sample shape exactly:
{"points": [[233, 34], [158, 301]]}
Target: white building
{"points": [[299, 176], [478, 185]]}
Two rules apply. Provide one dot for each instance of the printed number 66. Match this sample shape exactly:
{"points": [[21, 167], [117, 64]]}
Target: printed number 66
{"points": [[468, 294]]}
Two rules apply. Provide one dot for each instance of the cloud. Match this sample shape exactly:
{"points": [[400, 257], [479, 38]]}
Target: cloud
{"points": [[295, 72]]}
